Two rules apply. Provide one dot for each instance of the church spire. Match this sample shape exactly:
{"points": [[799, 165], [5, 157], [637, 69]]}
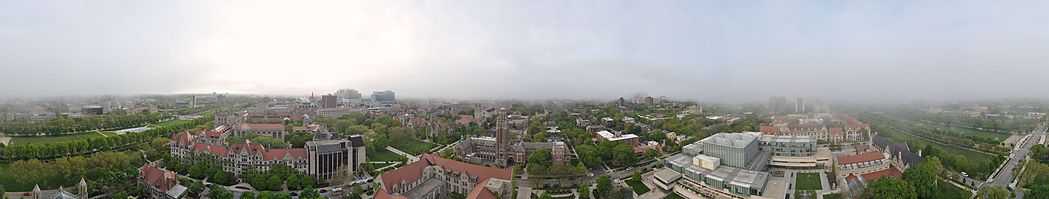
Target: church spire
{"points": [[82, 189]]}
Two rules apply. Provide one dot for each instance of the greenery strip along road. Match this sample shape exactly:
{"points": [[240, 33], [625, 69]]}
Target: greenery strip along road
{"points": [[69, 126], [95, 144], [955, 157]]}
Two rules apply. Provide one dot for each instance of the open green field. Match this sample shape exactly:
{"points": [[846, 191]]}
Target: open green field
{"points": [[946, 190], [55, 139], [966, 131], [972, 160], [638, 186], [383, 156], [807, 181], [7, 179], [412, 146]]}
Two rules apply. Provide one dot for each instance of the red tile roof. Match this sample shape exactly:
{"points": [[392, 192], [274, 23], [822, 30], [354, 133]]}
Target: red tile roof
{"points": [[250, 148], [156, 177], [212, 149], [836, 132], [413, 172], [892, 171], [182, 139], [480, 192], [769, 130], [464, 119], [217, 132], [277, 154], [862, 157]]}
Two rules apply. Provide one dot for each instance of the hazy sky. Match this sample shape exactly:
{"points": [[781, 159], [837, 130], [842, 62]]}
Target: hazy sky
{"points": [[708, 50]]}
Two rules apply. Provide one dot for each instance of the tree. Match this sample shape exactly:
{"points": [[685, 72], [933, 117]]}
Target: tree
{"points": [[298, 140], [219, 192], [266, 195], [275, 183], [584, 191], [247, 195], [1040, 191], [588, 155], [890, 188], [923, 178], [120, 195], [220, 177], [3, 192], [604, 186], [294, 182], [993, 192], [196, 188], [545, 195], [198, 171], [310, 193], [539, 161]]}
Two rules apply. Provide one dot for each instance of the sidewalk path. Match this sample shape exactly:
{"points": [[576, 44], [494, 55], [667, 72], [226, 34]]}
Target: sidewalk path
{"points": [[411, 158]]}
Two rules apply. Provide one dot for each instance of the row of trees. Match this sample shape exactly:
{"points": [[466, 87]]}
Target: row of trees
{"points": [[961, 163], [1036, 180], [606, 190], [922, 182], [615, 154], [90, 145], [67, 125], [541, 163], [276, 178], [105, 171]]}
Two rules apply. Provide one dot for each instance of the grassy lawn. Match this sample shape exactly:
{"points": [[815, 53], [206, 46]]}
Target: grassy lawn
{"points": [[638, 187], [55, 139], [383, 156], [946, 190], [412, 146], [808, 181]]}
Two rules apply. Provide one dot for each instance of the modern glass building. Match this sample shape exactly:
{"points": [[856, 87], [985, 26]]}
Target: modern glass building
{"points": [[734, 152], [786, 145]]}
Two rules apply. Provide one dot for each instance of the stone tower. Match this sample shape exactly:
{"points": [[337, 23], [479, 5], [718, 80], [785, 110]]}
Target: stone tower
{"points": [[82, 189]]}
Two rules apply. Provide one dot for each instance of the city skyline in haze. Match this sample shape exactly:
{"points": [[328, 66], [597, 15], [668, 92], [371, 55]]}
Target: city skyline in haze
{"points": [[696, 50]]}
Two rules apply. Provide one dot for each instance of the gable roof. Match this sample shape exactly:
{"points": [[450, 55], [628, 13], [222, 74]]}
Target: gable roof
{"points": [[862, 157], [156, 177], [892, 171], [182, 139], [414, 171], [276, 154]]}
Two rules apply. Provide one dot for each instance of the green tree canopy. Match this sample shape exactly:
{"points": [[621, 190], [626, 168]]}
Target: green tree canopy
{"points": [[889, 188]]}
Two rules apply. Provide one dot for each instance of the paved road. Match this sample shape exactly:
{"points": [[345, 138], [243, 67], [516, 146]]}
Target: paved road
{"points": [[1006, 175]]}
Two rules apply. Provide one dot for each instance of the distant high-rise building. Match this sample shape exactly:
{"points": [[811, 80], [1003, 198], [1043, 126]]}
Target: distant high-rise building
{"points": [[778, 104], [799, 105], [348, 94], [384, 97], [92, 110], [329, 101]]}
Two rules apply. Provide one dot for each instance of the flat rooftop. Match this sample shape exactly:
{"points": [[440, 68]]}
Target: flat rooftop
{"points": [[734, 140], [727, 174]]}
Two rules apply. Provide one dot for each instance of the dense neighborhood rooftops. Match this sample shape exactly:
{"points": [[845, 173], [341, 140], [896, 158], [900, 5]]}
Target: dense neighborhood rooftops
{"points": [[612, 137], [414, 171]]}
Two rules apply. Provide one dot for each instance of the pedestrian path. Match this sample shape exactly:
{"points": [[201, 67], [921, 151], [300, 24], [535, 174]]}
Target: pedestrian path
{"points": [[411, 158]]}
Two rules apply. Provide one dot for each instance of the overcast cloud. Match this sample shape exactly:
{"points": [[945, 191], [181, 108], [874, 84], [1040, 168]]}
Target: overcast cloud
{"points": [[707, 50]]}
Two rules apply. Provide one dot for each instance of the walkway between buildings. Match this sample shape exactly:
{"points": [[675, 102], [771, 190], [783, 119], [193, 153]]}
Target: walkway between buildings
{"points": [[411, 158]]}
